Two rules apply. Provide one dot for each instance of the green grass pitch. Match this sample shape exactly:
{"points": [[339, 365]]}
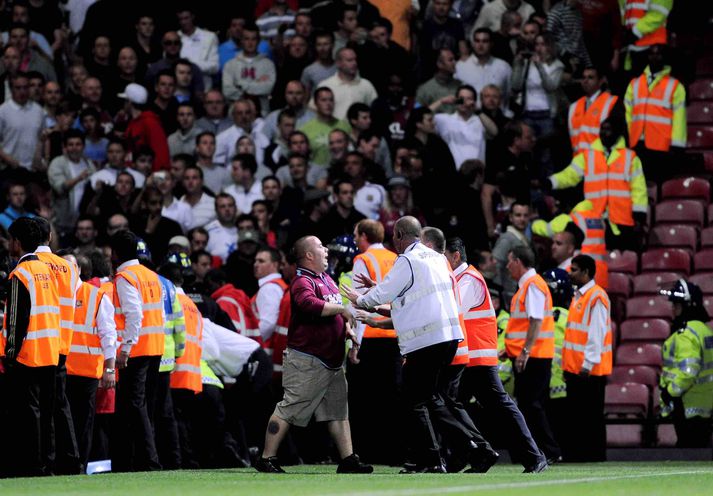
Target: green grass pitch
{"points": [[610, 479]]}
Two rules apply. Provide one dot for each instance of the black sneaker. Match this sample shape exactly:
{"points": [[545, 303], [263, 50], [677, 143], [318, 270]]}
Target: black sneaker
{"points": [[538, 467], [482, 457], [268, 465], [352, 465]]}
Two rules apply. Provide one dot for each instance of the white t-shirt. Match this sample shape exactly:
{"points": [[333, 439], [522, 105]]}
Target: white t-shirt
{"points": [[222, 241], [180, 212], [369, 199]]}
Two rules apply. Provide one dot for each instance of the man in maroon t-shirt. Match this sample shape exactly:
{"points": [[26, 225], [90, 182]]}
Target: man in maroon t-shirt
{"points": [[313, 374]]}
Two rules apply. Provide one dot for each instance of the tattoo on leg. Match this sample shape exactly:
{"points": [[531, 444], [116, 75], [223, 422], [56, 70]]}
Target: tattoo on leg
{"points": [[273, 427]]}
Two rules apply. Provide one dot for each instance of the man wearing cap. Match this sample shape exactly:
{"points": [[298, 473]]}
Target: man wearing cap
{"points": [[179, 244], [144, 129]]}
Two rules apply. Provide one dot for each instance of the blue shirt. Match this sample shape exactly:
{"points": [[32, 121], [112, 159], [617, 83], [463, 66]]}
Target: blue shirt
{"points": [[228, 50], [10, 215]]}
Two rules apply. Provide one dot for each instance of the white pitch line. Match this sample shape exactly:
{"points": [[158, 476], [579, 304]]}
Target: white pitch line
{"points": [[513, 485]]}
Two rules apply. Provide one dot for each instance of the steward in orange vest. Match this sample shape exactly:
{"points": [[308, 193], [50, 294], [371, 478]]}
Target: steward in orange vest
{"points": [[530, 342], [586, 361], [30, 343], [139, 322], [587, 114]]}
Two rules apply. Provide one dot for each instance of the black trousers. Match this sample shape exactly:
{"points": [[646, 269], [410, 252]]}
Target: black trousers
{"points": [[421, 374], [451, 420], [214, 445], [184, 406], [31, 406], [587, 440], [532, 389], [694, 432], [133, 446], [64, 459], [161, 413], [82, 396], [488, 390], [375, 389]]}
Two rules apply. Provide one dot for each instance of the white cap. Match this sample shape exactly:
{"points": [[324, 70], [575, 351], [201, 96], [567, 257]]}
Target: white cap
{"points": [[135, 93]]}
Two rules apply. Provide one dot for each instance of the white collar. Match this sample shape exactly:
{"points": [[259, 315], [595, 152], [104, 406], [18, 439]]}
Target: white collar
{"points": [[43, 249], [24, 256], [270, 277], [17, 106], [411, 246], [592, 98], [586, 287], [376, 246], [565, 264], [128, 263], [530, 273], [460, 269]]}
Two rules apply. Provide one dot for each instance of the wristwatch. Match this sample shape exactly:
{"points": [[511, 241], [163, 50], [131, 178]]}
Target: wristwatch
{"points": [[525, 350], [109, 371]]}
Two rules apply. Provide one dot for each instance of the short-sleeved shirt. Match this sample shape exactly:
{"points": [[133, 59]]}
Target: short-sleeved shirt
{"points": [[309, 332]]}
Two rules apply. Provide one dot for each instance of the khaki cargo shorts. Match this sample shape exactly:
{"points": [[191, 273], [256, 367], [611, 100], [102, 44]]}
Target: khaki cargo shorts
{"points": [[311, 389]]}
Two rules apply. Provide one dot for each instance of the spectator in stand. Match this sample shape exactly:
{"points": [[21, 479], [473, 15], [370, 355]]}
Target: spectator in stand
{"points": [[126, 65], [346, 85], [314, 175], [51, 96], [76, 75], [145, 42], [440, 31], [172, 45], [491, 105], [95, 141], [246, 144], [601, 26], [290, 68], [151, 226], [342, 216], [16, 205], [368, 198], [464, 130], [184, 139], [111, 199], [99, 65], [19, 37], [85, 234], [53, 139], [360, 120], [232, 46], [564, 23], [317, 130], [296, 102], [183, 71], [222, 232], [505, 39], [468, 216], [68, 176], [92, 96], [324, 66], [37, 82], [276, 153], [482, 68], [272, 19], [347, 25], [399, 203], [116, 163], [172, 208], [10, 66], [245, 122], [144, 128], [201, 264], [262, 212], [298, 177], [249, 73], [245, 188], [216, 176], [443, 83], [21, 122], [200, 46], [514, 235], [198, 238], [214, 119], [21, 15], [338, 148], [200, 203], [491, 14], [165, 104]]}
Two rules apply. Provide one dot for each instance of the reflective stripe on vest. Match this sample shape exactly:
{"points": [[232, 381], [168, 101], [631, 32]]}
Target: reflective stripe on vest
{"points": [[519, 323], [584, 123], [86, 358], [577, 333], [187, 372], [378, 263], [480, 324], [634, 10], [608, 185], [65, 273], [652, 113]]}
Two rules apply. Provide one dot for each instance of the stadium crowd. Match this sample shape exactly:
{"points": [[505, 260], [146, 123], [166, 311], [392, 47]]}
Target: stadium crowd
{"points": [[176, 166]]}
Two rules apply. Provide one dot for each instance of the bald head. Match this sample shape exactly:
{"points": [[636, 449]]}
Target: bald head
{"points": [[434, 239], [408, 226], [303, 246]]}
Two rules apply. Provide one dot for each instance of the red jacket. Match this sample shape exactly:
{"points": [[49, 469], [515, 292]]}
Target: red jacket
{"points": [[146, 130], [237, 305]]}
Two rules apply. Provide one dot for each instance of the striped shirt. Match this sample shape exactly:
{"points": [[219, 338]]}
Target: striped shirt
{"points": [[566, 25]]}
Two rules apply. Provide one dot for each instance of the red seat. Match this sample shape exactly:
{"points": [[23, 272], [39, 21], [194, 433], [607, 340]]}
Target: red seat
{"points": [[700, 137], [704, 281], [689, 212], [674, 236], [652, 282], [639, 374], [625, 436], [686, 187], [644, 330], [707, 237], [701, 89], [649, 307], [623, 261], [710, 214], [619, 284], [703, 261], [700, 113], [630, 400], [666, 260], [639, 354]]}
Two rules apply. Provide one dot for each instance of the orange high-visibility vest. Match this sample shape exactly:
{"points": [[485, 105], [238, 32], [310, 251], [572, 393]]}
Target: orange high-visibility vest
{"points": [[577, 332], [652, 113], [237, 305], [187, 373], [66, 274], [86, 357], [379, 262], [40, 347], [461, 356], [519, 323], [594, 243], [635, 10], [276, 345], [608, 186], [584, 123], [481, 325], [151, 333]]}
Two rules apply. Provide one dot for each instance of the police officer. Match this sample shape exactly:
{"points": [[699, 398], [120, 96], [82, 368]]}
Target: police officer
{"points": [[30, 343], [687, 377]]}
